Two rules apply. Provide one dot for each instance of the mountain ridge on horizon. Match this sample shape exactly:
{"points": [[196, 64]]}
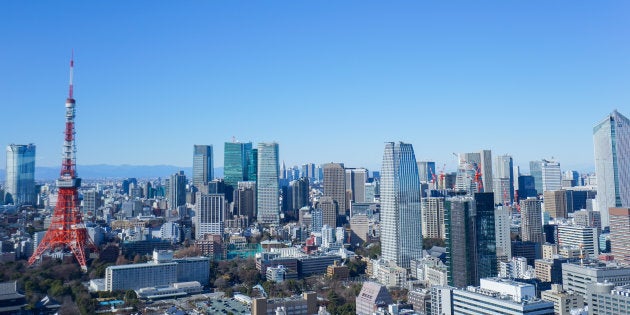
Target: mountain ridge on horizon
{"points": [[102, 171]]}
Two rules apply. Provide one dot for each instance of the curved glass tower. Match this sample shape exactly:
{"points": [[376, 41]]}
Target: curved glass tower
{"points": [[401, 228], [611, 139], [20, 177]]}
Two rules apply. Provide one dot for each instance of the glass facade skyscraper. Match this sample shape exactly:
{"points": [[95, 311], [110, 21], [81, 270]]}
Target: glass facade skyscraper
{"points": [[268, 197], [20, 174], [236, 162], [203, 165], [611, 139], [401, 229]]}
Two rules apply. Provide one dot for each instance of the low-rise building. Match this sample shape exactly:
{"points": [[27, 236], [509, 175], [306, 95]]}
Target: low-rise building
{"points": [[578, 277], [608, 299], [304, 304], [163, 270], [499, 296], [563, 301], [371, 297]]}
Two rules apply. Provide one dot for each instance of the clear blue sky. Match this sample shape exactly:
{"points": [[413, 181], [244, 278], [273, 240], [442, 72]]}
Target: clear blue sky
{"points": [[327, 80]]}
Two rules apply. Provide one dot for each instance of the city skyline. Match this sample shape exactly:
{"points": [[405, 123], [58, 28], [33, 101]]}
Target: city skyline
{"points": [[147, 90]]}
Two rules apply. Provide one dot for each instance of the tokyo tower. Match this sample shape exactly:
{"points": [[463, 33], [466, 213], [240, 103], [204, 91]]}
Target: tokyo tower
{"points": [[67, 229]]}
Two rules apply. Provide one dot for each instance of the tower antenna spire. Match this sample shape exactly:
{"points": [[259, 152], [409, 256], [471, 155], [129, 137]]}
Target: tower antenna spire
{"points": [[71, 87]]}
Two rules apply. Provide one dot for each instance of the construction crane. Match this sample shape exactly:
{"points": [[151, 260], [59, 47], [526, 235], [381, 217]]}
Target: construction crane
{"points": [[478, 177], [442, 181]]}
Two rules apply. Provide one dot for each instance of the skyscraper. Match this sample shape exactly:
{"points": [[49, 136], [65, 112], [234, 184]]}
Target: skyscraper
{"points": [[556, 203], [551, 176], [426, 171], [252, 168], [299, 193], [236, 162], [433, 217], [503, 171], [460, 241], [611, 139], [486, 248], [469, 165], [401, 229], [486, 170], [335, 185], [20, 174], [502, 222], [209, 214], [535, 170], [268, 197], [245, 199], [355, 183], [176, 193], [531, 221], [620, 234], [203, 165]]}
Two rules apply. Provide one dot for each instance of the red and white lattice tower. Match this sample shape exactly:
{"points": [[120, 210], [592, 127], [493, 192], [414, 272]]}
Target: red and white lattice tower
{"points": [[67, 230]]}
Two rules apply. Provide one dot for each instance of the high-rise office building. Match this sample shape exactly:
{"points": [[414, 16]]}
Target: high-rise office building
{"points": [[299, 193], [335, 185], [531, 221], [268, 197], [176, 192], [245, 200], [401, 228], [209, 214], [486, 170], [526, 187], [502, 222], [252, 168], [547, 175], [328, 208], [620, 234], [460, 241], [426, 171], [486, 248], [556, 203], [474, 172], [236, 162], [203, 166], [535, 170], [20, 175], [504, 170], [611, 139], [433, 217], [355, 184], [551, 176]]}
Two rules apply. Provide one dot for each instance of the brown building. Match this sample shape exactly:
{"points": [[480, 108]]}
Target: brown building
{"points": [[620, 234], [335, 186], [338, 272], [211, 245], [556, 203]]}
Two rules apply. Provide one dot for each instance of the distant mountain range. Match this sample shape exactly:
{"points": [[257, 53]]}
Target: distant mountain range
{"points": [[115, 171]]}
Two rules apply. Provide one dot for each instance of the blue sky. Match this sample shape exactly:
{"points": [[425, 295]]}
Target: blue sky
{"points": [[327, 80]]}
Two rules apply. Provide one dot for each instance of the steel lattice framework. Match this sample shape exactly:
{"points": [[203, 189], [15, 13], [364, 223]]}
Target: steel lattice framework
{"points": [[67, 229]]}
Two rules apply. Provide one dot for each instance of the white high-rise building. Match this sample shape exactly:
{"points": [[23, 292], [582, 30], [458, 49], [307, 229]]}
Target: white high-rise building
{"points": [[551, 176], [20, 174], [503, 179], [401, 228], [502, 222], [209, 214], [611, 139], [268, 196]]}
